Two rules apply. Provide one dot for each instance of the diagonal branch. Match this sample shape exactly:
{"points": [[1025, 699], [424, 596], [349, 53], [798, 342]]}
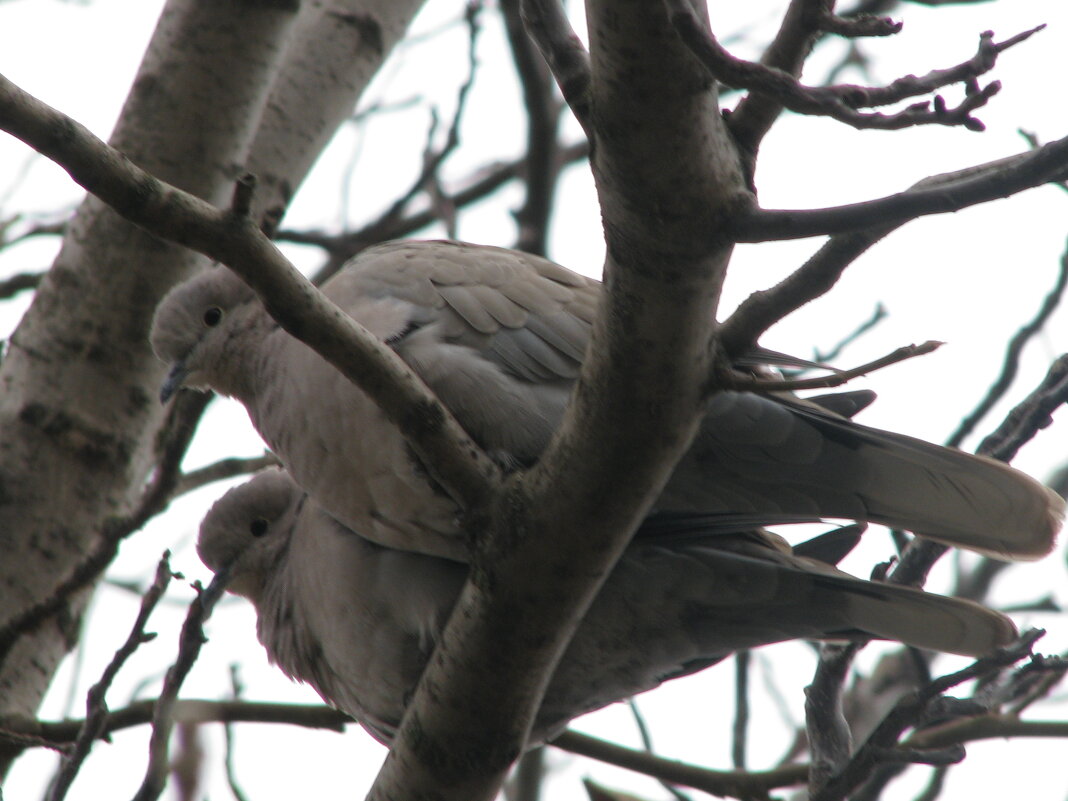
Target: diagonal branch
{"points": [[563, 52], [238, 242], [953, 192]]}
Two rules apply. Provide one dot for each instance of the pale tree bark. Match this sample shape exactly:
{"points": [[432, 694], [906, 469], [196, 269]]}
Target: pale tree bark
{"points": [[78, 411]]}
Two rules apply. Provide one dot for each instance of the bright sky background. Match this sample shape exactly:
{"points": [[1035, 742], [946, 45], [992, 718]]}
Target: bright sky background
{"points": [[970, 279]]}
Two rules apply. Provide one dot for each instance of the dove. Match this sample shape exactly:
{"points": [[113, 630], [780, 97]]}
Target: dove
{"points": [[499, 337], [358, 621]]}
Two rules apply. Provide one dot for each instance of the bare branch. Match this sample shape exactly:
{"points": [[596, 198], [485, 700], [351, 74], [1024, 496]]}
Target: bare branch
{"points": [[935, 195], [163, 720], [733, 784], [96, 705], [745, 384], [752, 118], [223, 469], [1011, 362], [548, 26], [59, 734], [763, 309], [288, 296], [543, 115], [740, 729], [10, 287], [842, 101], [1030, 416]]}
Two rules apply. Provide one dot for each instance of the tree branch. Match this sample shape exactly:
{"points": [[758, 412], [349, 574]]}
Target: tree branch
{"points": [[237, 241], [979, 184], [96, 705], [190, 641], [1011, 362], [562, 50], [840, 102], [820, 273], [543, 115]]}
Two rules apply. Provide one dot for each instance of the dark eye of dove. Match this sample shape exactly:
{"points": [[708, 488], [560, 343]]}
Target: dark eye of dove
{"points": [[213, 316]]}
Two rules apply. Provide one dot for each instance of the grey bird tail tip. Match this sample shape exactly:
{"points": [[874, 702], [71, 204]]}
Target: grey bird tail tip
{"points": [[173, 382]]}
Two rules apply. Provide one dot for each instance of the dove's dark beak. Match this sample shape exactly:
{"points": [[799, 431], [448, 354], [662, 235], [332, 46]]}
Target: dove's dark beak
{"points": [[173, 381]]}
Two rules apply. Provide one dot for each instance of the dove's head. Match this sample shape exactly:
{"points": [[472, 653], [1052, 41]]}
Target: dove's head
{"points": [[249, 528], [193, 325]]}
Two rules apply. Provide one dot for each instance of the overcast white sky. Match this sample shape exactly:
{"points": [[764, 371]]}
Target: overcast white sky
{"points": [[970, 280]]}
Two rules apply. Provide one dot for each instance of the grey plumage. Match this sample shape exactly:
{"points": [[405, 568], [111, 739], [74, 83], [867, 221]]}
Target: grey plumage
{"points": [[499, 336], [358, 621]]}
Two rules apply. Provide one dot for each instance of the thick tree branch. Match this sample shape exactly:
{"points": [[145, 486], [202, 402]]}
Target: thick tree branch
{"points": [[562, 50], [997, 179], [642, 375], [238, 242]]}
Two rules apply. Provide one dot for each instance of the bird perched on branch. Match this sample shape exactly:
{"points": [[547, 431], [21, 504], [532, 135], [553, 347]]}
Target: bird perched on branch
{"points": [[499, 336], [358, 621]]}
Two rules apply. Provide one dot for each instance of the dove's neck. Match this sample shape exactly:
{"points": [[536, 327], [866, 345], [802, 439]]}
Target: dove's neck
{"points": [[242, 357]]}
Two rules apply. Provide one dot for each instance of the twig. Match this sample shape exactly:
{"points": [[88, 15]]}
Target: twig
{"points": [[740, 729], [908, 712], [841, 102], [735, 784], [647, 743], [60, 734], [741, 383], [754, 115], [344, 246], [228, 730], [223, 469], [96, 704], [433, 159], [877, 317], [562, 50], [10, 287], [1011, 363], [1028, 417], [190, 641], [543, 116]]}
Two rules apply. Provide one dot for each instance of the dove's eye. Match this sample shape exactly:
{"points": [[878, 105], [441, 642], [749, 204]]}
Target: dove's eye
{"points": [[212, 316], [258, 527]]}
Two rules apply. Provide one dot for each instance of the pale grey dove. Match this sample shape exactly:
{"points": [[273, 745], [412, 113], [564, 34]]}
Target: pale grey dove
{"points": [[358, 621], [499, 336]]}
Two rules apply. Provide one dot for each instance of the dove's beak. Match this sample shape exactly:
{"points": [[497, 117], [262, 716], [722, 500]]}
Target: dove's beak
{"points": [[173, 382]]}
